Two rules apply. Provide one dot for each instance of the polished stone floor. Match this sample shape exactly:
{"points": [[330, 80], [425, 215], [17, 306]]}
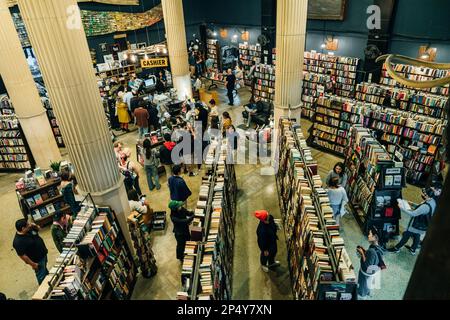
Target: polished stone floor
{"points": [[249, 281]]}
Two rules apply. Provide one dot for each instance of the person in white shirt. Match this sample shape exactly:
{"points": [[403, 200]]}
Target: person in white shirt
{"points": [[137, 205], [127, 98], [338, 199]]}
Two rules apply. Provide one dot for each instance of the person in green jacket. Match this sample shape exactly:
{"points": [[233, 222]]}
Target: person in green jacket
{"points": [[60, 229]]}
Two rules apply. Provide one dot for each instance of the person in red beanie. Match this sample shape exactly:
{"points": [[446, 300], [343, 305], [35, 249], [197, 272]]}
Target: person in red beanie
{"points": [[267, 240]]}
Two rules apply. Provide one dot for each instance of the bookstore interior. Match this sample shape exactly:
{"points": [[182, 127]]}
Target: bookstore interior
{"points": [[297, 154]]}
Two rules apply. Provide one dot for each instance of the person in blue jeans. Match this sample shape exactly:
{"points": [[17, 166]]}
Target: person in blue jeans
{"points": [[31, 248], [151, 165]]}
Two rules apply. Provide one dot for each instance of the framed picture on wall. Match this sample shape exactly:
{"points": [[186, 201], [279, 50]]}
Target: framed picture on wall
{"points": [[103, 47], [327, 9]]}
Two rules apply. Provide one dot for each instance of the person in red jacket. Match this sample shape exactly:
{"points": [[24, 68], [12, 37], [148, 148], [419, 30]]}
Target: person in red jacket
{"points": [[165, 154], [267, 240]]}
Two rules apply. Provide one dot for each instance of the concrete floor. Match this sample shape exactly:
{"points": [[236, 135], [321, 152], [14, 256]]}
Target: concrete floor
{"points": [[17, 280]]}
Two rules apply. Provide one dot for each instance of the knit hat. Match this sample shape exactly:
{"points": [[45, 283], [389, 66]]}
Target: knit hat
{"points": [[174, 205], [261, 215]]}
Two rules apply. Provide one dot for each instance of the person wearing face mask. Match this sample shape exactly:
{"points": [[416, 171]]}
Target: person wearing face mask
{"points": [[30, 247], [421, 218]]}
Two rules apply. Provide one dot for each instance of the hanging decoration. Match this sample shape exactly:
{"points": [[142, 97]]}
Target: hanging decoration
{"points": [[97, 23], [12, 3]]}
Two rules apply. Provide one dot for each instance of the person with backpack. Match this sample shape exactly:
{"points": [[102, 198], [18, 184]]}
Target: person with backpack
{"points": [[130, 172], [371, 263], [420, 219], [151, 165]]}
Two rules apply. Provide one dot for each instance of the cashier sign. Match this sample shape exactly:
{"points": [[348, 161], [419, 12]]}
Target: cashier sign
{"points": [[154, 63]]}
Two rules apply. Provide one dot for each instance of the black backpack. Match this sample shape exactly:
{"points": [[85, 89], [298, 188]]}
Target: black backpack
{"points": [[423, 221]]}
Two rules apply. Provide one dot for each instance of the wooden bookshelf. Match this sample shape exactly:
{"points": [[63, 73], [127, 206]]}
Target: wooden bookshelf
{"points": [[248, 54], [265, 82], [416, 74], [95, 264], [311, 233], [15, 155], [375, 182]]}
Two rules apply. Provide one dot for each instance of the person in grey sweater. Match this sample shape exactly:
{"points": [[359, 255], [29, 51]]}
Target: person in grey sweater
{"points": [[337, 172], [338, 198], [420, 218]]}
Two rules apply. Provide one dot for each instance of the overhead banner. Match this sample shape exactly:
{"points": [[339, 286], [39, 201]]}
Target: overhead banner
{"points": [[154, 63], [12, 3]]}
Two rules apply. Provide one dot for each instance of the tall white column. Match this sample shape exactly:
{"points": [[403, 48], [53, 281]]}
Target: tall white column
{"points": [[177, 46], [22, 90], [58, 38], [291, 36]]}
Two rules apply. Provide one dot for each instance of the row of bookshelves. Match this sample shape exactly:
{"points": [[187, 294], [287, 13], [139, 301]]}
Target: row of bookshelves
{"points": [[265, 82], [405, 99], [208, 259], [95, 263], [375, 182], [335, 115], [319, 265], [416, 74]]}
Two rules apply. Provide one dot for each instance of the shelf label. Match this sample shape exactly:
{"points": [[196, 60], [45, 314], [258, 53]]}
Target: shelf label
{"points": [[394, 171], [154, 63]]}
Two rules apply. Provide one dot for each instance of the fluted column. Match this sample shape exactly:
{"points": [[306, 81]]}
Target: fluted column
{"points": [[59, 40], [177, 46], [291, 36], [22, 90]]}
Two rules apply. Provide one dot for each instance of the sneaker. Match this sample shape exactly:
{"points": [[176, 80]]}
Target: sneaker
{"points": [[275, 264], [393, 250], [413, 252], [265, 268]]}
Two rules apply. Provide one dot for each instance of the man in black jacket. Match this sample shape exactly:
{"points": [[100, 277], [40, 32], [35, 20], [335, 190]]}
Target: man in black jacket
{"points": [[181, 219], [267, 240]]}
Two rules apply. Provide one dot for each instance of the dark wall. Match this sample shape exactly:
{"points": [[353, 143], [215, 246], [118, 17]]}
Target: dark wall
{"points": [[430, 27], [232, 12]]}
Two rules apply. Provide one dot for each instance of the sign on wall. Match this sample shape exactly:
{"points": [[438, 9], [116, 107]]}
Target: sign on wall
{"points": [[154, 63]]}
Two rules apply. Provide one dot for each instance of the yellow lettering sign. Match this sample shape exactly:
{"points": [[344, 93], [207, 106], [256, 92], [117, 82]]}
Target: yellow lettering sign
{"points": [[154, 63]]}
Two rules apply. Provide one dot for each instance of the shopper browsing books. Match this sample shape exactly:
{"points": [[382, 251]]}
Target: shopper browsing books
{"points": [[420, 218], [202, 115], [60, 229], [227, 122], [151, 165], [371, 264], [130, 171], [338, 199], [139, 205], [179, 191], [165, 154], [338, 172], [31, 248], [181, 219], [267, 240], [69, 190]]}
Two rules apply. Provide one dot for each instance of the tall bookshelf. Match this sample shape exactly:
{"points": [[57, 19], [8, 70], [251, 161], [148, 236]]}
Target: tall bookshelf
{"points": [[95, 264], [53, 122], [417, 140], [415, 101], [318, 69], [319, 264], [375, 183], [417, 74], [140, 234], [331, 123], [247, 54], [15, 154], [208, 264], [213, 52], [265, 82]]}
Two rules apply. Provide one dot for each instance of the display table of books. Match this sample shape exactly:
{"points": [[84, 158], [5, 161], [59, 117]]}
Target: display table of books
{"points": [[41, 201], [95, 264]]}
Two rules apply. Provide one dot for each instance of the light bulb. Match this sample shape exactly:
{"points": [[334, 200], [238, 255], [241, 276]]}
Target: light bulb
{"points": [[145, 56], [165, 51], [323, 45], [133, 58], [215, 34], [425, 56], [235, 36], [125, 56]]}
